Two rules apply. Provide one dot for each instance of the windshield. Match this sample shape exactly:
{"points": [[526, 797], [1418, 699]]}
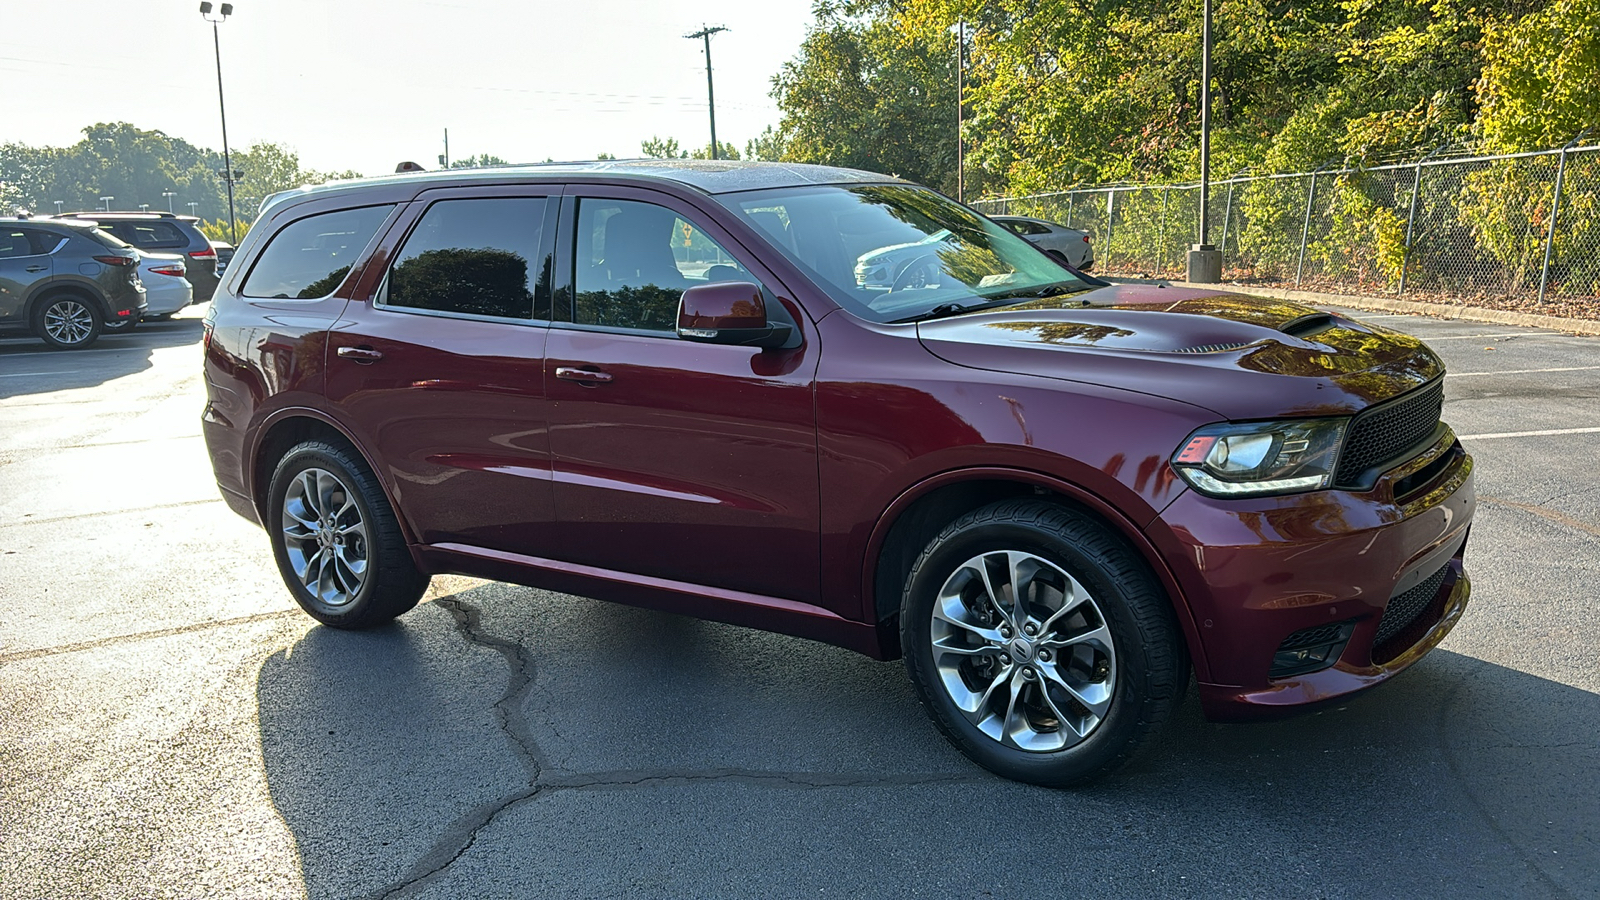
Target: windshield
{"points": [[892, 253]]}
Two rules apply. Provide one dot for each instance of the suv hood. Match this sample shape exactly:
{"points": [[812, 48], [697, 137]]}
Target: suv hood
{"points": [[1239, 356]]}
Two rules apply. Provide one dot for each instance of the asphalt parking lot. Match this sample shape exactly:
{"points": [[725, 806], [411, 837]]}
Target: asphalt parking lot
{"points": [[172, 726]]}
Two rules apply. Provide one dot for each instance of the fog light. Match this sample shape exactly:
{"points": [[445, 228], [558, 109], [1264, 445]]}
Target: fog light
{"points": [[1310, 650]]}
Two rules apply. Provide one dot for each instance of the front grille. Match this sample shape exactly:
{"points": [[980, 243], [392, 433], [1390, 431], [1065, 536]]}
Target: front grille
{"points": [[1404, 609], [1385, 432]]}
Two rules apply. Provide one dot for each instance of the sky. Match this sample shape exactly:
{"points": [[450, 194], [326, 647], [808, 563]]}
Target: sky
{"points": [[362, 84]]}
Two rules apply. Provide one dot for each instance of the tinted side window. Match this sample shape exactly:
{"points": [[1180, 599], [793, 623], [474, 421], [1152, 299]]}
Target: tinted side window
{"points": [[479, 257], [633, 261], [310, 257], [149, 235], [14, 243]]}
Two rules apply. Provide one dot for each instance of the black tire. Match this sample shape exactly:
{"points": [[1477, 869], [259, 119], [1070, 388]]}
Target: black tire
{"points": [[68, 321], [1147, 666], [389, 584]]}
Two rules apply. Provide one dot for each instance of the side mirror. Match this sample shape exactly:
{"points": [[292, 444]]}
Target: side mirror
{"points": [[729, 312]]}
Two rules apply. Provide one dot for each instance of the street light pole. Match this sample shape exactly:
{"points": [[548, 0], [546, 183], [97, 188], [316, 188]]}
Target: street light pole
{"points": [[1205, 261], [107, 201], [169, 195], [711, 96], [192, 204], [224, 12], [961, 150], [58, 205]]}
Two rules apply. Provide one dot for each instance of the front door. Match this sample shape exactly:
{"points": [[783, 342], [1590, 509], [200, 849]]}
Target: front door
{"points": [[673, 459], [441, 368]]}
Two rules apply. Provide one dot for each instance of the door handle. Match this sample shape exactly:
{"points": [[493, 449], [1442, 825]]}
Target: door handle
{"points": [[572, 373], [360, 354], [36, 268]]}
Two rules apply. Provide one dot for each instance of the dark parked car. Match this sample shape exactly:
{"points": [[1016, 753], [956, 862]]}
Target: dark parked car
{"points": [[224, 256], [64, 281], [164, 232], [1054, 498]]}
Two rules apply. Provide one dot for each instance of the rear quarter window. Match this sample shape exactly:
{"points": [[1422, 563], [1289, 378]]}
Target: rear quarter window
{"points": [[152, 235], [309, 257]]}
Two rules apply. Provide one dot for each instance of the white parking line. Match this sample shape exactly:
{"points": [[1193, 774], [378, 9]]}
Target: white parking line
{"points": [[1480, 337], [27, 374], [1515, 434], [1520, 371]]}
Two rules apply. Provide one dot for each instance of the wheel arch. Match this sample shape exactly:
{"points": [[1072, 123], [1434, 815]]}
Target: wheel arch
{"points": [[921, 511], [288, 427], [51, 290]]}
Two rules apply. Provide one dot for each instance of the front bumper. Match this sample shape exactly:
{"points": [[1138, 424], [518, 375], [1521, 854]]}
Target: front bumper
{"points": [[1256, 572]]}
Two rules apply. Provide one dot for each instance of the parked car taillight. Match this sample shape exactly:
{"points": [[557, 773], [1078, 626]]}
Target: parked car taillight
{"points": [[167, 270], [117, 260], [208, 253]]}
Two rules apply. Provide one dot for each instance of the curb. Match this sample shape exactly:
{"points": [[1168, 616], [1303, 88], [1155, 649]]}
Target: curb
{"points": [[1440, 310]]}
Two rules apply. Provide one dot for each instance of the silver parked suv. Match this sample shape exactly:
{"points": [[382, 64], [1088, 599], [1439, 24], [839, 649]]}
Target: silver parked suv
{"points": [[65, 280]]}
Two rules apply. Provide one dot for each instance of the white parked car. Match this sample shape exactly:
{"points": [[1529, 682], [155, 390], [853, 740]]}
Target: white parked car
{"points": [[1073, 243], [167, 289]]}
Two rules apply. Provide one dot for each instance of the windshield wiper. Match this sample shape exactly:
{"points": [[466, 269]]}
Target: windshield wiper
{"points": [[1040, 292], [943, 310]]}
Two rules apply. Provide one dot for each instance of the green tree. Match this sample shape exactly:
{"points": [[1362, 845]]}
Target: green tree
{"points": [[871, 89], [662, 148], [480, 161]]}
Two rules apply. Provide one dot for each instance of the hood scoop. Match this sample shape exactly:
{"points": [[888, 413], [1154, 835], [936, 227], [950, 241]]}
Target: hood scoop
{"points": [[1308, 325]]}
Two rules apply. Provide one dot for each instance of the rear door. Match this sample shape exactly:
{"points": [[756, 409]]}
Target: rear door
{"points": [[439, 366], [24, 264], [673, 459]]}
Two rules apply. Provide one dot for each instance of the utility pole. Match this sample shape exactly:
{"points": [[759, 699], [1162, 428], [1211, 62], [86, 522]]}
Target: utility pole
{"points": [[711, 95], [445, 159]]}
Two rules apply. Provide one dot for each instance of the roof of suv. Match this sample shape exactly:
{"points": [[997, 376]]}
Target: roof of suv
{"points": [[126, 216], [78, 224], [711, 176]]}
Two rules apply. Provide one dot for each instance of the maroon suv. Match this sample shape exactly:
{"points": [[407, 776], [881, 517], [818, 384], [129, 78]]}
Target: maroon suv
{"points": [[841, 406]]}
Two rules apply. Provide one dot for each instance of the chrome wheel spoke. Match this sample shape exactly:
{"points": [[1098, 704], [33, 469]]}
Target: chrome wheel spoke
{"points": [[325, 537], [1094, 697], [1023, 651]]}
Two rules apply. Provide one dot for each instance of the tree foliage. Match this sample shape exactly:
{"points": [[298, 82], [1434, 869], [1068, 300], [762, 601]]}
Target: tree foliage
{"points": [[1066, 92], [136, 166]]}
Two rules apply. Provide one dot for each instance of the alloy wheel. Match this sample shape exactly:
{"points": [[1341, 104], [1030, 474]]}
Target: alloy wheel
{"points": [[325, 536], [1023, 651], [69, 322]]}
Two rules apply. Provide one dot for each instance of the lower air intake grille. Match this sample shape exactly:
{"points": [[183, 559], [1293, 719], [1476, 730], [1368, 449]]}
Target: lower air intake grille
{"points": [[1405, 608], [1386, 431]]}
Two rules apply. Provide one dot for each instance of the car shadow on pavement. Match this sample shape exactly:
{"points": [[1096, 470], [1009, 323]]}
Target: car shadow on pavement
{"points": [[29, 366], [393, 755]]}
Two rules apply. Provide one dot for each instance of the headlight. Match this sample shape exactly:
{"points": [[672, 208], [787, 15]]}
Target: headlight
{"points": [[1255, 458]]}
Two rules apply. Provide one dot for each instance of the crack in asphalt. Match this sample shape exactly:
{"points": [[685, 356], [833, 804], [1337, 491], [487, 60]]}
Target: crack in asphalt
{"points": [[456, 840], [1446, 713], [20, 655], [757, 777], [109, 512], [1560, 518], [460, 837]]}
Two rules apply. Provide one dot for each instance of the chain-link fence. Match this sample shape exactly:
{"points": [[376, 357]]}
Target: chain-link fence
{"points": [[1519, 230]]}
